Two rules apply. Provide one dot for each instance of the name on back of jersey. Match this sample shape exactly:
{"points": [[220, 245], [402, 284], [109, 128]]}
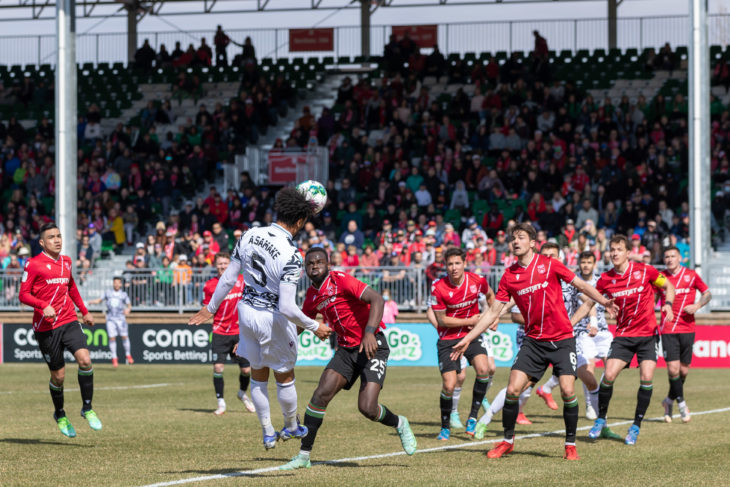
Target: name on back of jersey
{"points": [[264, 244]]}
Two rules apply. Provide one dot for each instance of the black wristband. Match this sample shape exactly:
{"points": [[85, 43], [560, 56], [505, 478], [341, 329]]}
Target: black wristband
{"points": [[670, 303]]}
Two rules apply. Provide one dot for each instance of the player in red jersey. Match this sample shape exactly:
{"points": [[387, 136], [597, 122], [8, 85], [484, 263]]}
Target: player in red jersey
{"points": [[225, 336], [354, 311], [533, 283], [631, 285], [678, 335], [455, 303], [48, 287]]}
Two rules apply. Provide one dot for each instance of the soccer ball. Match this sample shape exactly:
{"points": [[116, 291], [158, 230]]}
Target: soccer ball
{"points": [[315, 192]]}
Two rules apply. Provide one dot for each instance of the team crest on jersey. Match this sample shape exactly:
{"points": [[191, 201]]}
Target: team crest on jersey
{"points": [[541, 268], [48, 266], [637, 274], [686, 278], [68, 266], [473, 288], [613, 281]]}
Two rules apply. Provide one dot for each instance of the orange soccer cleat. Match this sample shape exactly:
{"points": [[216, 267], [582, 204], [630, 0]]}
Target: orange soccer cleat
{"points": [[522, 419], [130, 360], [548, 398], [501, 449], [115, 362], [571, 453]]}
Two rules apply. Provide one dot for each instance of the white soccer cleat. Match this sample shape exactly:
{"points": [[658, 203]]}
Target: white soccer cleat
{"points": [[591, 413], [247, 403], [684, 413], [667, 403], [221, 408]]}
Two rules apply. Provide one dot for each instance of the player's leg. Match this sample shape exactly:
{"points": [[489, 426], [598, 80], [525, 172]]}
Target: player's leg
{"points": [[280, 353], [74, 340], [675, 387], [613, 368], [124, 332], [455, 420], [244, 380], [448, 383], [518, 380], [219, 385], [111, 331], [481, 383], [570, 414], [684, 364], [646, 354], [545, 391], [586, 373], [49, 343]]}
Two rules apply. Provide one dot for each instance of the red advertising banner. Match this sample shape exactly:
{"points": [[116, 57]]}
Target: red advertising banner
{"points": [[711, 349], [283, 167], [311, 40], [423, 35]]}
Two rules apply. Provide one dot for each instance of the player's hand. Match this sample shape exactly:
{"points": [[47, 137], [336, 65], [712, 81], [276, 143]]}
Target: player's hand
{"points": [[200, 317], [127, 311], [459, 349], [323, 332], [369, 344], [475, 319], [612, 308], [668, 314], [88, 319], [592, 331], [235, 349], [494, 325], [49, 312], [691, 309]]}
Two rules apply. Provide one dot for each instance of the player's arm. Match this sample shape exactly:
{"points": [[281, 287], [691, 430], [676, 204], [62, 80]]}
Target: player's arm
{"points": [[591, 292], [225, 284], [128, 301], [661, 282], [486, 319], [432, 317], [288, 307], [73, 293], [26, 297], [377, 305], [587, 308], [704, 300], [452, 322]]}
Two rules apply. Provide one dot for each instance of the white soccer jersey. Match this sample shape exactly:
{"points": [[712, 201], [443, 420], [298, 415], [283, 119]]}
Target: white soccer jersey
{"points": [[267, 257], [116, 302], [582, 326]]}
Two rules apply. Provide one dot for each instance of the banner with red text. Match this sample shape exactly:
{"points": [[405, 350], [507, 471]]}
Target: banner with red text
{"points": [[283, 167], [311, 40], [423, 35]]}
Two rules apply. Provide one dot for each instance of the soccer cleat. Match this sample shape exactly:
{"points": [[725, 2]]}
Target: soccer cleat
{"points": [[247, 403], [455, 421], [65, 426], [522, 419], [480, 430], [444, 435], [485, 404], [667, 403], [407, 438], [632, 435], [591, 413], [684, 413], [270, 440], [92, 418], [115, 362], [221, 408], [299, 461], [501, 449], [130, 360], [548, 398], [300, 432], [597, 428], [607, 434], [571, 453], [471, 425]]}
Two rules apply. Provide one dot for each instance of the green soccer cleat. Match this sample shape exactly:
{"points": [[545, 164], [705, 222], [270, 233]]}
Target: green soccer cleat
{"points": [[606, 433], [65, 426], [455, 421], [92, 418], [299, 461], [407, 439], [480, 431]]}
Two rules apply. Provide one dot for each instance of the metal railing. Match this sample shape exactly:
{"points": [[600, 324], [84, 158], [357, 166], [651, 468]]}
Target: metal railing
{"points": [[515, 35]]}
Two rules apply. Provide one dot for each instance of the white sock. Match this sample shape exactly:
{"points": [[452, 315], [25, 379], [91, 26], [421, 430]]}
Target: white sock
{"points": [[498, 402], [682, 404], [287, 395], [593, 398], [113, 347], [221, 403], [260, 398], [455, 400], [304, 453], [586, 393], [524, 397], [551, 382], [127, 346]]}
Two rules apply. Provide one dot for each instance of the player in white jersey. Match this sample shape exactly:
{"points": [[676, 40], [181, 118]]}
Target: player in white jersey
{"points": [[118, 306], [268, 313]]}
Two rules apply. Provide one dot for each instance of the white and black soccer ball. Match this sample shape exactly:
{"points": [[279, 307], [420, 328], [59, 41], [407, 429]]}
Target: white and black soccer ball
{"points": [[315, 192]]}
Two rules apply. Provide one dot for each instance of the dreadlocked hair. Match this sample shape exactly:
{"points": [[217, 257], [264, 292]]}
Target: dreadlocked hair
{"points": [[291, 206]]}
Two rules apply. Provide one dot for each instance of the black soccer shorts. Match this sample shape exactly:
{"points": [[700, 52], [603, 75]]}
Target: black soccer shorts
{"points": [[223, 346], [445, 348], [52, 343], [678, 346], [352, 364], [534, 357], [624, 348]]}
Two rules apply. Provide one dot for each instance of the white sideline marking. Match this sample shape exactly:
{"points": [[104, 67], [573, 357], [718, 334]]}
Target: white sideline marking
{"points": [[110, 388], [245, 473]]}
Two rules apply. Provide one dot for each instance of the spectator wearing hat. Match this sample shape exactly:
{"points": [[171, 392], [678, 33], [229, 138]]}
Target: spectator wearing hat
{"points": [[472, 231], [450, 236], [568, 234], [94, 240], [636, 253], [501, 246]]}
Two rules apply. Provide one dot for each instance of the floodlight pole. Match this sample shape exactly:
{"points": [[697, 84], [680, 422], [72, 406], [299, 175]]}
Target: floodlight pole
{"points": [[365, 27], [66, 143], [699, 138], [132, 33]]}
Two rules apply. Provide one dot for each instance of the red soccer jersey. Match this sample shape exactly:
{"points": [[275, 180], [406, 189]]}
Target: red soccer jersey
{"points": [[634, 294], [338, 300], [686, 282], [458, 301], [225, 321], [49, 282], [538, 294]]}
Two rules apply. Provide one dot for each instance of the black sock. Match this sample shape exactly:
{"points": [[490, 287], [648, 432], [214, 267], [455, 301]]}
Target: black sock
{"points": [[218, 384], [446, 403], [243, 381], [643, 397], [676, 389], [313, 417], [481, 383], [57, 398], [684, 378], [570, 416], [387, 417], [509, 415], [86, 384], [605, 392]]}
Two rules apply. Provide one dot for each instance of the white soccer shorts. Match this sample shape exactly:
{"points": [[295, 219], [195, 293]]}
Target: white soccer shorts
{"points": [[589, 347], [117, 327], [487, 341], [267, 339]]}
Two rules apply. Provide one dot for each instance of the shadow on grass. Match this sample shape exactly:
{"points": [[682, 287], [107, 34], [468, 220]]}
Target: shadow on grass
{"points": [[35, 441], [194, 410], [358, 465], [435, 424]]}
